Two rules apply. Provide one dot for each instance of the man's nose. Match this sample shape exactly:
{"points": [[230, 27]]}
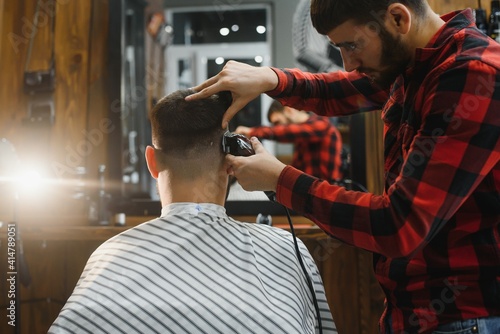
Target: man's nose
{"points": [[351, 62]]}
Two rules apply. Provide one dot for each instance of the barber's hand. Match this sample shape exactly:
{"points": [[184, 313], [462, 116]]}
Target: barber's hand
{"points": [[243, 130], [256, 172], [245, 82]]}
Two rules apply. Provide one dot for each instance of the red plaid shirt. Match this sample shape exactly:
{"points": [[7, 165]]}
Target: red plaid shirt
{"points": [[435, 231], [317, 145]]}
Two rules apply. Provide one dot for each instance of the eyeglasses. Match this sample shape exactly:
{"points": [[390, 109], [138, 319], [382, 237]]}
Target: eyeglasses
{"points": [[349, 47]]}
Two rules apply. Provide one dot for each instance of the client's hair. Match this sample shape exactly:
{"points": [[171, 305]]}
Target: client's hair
{"points": [[188, 130]]}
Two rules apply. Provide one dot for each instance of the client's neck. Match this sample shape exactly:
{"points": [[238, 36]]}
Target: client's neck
{"points": [[208, 188]]}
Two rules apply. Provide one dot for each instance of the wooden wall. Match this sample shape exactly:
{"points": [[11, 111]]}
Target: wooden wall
{"points": [[445, 6], [73, 33], [78, 41]]}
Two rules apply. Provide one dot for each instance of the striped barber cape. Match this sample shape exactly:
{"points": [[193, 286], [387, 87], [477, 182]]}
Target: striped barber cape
{"points": [[196, 270]]}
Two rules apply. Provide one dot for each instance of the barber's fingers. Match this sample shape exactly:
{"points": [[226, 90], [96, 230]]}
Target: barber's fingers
{"points": [[237, 104], [213, 86], [260, 171], [233, 163], [237, 161], [226, 79], [206, 89], [230, 170], [257, 146]]}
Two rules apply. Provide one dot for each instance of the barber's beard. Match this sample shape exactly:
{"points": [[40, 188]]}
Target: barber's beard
{"points": [[395, 59]]}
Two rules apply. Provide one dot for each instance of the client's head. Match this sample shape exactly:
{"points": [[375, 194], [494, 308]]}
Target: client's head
{"points": [[187, 137]]}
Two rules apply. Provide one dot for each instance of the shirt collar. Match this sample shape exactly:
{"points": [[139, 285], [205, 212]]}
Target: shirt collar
{"points": [[183, 208], [454, 22]]}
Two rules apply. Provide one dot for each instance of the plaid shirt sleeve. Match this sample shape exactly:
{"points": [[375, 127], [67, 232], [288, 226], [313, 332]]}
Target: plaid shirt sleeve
{"points": [[328, 94], [314, 130], [452, 152]]}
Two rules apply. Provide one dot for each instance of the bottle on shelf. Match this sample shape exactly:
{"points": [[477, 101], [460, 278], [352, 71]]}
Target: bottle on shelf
{"points": [[494, 24], [98, 210], [481, 22]]}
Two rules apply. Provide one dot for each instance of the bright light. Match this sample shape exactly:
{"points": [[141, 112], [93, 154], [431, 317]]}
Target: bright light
{"points": [[224, 31], [32, 176], [260, 29], [30, 180], [235, 27], [169, 29], [219, 60], [258, 59]]}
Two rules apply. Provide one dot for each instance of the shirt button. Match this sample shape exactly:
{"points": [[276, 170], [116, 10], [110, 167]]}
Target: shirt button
{"points": [[474, 329]]}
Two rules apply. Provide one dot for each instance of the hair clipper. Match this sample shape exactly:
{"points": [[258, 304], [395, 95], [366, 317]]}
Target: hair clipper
{"points": [[239, 145], [236, 144]]}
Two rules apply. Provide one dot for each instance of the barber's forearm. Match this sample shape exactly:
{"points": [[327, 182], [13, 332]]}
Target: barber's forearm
{"points": [[328, 94]]}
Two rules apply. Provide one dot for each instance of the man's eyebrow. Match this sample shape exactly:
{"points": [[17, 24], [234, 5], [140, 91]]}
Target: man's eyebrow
{"points": [[342, 44]]}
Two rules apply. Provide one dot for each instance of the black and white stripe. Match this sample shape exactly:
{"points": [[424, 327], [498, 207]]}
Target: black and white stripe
{"points": [[196, 270]]}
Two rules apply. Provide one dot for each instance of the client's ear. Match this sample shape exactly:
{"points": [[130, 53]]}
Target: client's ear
{"points": [[151, 161]]}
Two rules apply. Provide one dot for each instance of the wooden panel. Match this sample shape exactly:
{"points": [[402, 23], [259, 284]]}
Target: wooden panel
{"points": [[13, 46], [2, 3], [45, 262], [445, 6], [54, 268], [374, 153], [369, 294], [43, 26], [64, 145], [99, 104], [337, 265], [69, 145], [19, 27], [51, 144]]}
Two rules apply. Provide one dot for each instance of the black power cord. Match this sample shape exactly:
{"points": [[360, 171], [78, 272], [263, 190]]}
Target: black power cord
{"points": [[309, 282], [272, 197]]}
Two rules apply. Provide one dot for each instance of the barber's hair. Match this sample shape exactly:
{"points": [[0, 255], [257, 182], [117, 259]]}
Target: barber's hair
{"points": [[327, 15], [275, 107], [189, 129]]}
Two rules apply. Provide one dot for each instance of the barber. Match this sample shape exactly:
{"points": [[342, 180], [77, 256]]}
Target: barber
{"points": [[435, 231]]}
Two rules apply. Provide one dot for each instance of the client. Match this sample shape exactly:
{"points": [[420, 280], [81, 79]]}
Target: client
{"points": [[194, 269]]}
